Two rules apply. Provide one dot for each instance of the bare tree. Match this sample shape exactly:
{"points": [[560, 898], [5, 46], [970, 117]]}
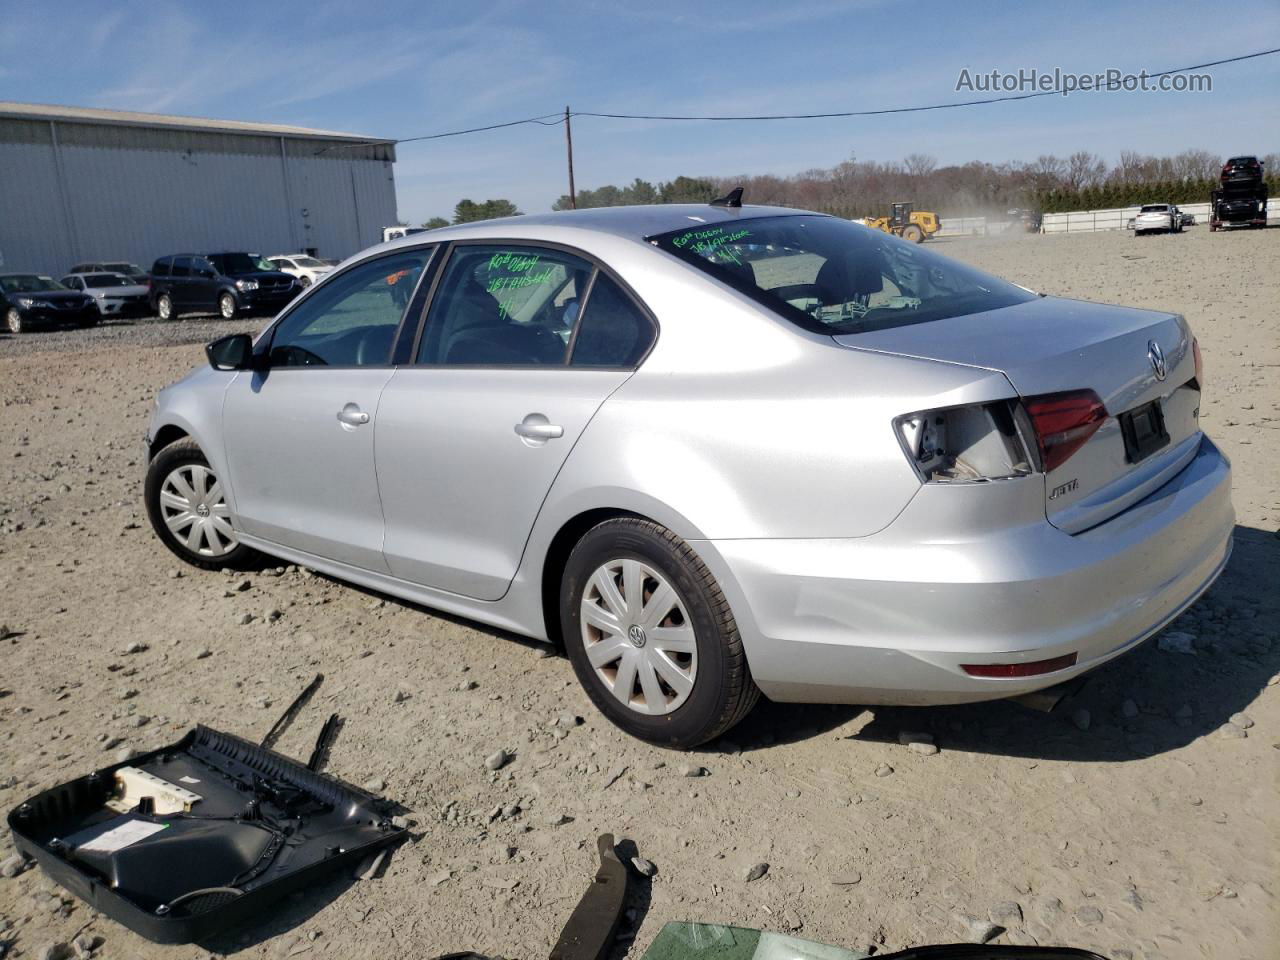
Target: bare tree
{"points": [[1084, 169], [920, 164]]}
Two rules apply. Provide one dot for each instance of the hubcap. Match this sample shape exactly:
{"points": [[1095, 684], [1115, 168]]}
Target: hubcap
{"points": [[195, 511], [228, 308], [165, 308], [638, 637]]}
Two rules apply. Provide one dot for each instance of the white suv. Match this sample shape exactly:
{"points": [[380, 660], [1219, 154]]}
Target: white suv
{"points": [[1164, 217], [307, 269]]}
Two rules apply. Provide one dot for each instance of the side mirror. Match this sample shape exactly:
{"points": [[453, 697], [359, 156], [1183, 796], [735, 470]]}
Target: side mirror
{"points": [[231, 353]]}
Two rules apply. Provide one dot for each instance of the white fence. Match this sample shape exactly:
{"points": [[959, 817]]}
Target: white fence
{"points": [[1088, 221]]}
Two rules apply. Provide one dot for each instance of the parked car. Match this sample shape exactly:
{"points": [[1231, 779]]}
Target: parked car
{"points": [[307, 269], [715, 452], [225, 283], [1187, 219], [1239, 207], [115, 294], [130, 270], [1242, 172], [1157, 218], [33, 300]]}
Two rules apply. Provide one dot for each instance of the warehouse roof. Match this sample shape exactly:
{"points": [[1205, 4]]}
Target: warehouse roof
{"points": [[127, 118]]}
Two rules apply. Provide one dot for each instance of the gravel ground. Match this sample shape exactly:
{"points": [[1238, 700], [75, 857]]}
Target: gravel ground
{"points": [[148, 332], [1140, 820]]}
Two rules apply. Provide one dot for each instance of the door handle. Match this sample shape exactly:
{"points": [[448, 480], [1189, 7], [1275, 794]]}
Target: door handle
{"points": [[352, 416], [536, 427]]}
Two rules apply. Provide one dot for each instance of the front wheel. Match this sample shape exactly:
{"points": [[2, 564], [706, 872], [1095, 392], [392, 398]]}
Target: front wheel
{"points": [[13, 321], [188, 509], [227, 306], [651, 636]]}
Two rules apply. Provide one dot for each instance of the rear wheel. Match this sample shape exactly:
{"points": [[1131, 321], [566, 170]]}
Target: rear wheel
{"points": [[913, 233], [164, 307], [651, 636], [188, 509], [304, 282], [227, 306], [13, 321]]}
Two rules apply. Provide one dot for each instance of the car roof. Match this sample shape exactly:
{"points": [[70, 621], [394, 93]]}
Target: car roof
{"points": [[631, 222]]}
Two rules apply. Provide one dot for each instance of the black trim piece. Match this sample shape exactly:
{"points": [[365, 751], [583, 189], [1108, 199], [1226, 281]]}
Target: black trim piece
{"points": [[588, 934], [582, 313]]}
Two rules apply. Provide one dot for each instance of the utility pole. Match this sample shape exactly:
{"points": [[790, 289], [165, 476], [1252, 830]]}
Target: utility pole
{"points": [[568, 142]]}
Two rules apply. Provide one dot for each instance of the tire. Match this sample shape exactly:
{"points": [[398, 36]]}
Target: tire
{"points": [[304, 282], [700, 693], [213, 547], [13, 321], [226, 306], [164, 307], [912, 233]]}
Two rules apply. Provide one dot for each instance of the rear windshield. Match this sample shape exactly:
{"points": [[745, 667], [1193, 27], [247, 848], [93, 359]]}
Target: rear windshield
{"points": [[1155, 208], [106, 280], [835, 277], [128, 269]]}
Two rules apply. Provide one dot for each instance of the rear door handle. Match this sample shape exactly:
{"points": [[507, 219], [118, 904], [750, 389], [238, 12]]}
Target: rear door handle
{"points": [[536, 427], [352, 416]]}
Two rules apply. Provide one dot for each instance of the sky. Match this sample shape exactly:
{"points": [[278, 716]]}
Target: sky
{"points": [[400, 70]]}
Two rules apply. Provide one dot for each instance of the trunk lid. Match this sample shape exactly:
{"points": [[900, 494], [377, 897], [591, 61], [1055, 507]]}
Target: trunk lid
{"points": [[1051, 345]]}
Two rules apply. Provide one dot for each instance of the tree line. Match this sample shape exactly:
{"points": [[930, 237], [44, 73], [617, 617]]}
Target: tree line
{"points": [[861, 188]]}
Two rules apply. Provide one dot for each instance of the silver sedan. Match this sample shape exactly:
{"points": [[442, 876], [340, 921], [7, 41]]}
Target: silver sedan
{"points": [[713, 452]]}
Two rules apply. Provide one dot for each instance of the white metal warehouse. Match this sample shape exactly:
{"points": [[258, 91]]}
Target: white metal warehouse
{"points": [[82, 184]]}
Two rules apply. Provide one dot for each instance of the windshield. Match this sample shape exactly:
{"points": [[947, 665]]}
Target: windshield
{"points": [[106, 280], [28, 283], [230, 264], [835, 277]]}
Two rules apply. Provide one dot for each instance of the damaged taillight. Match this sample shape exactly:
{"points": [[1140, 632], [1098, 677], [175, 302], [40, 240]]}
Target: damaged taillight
{"points": [[982, 441], [1063, 423]]}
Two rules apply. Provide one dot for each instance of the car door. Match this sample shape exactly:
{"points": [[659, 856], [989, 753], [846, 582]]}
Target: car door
{"points": [[521, 346], [299, 432], [202, 286], [180, 282]]}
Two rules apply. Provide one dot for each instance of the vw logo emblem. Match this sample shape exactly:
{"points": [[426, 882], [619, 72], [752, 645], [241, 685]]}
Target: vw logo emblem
{"points": [[1156, 356], [636, 635]]}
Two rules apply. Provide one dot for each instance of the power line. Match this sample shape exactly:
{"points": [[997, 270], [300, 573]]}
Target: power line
{"points": [[554, 119], [932, 106]]}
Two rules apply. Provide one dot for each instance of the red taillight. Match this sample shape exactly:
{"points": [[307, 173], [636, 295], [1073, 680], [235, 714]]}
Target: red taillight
{"points": [[1195, 352], [1008, 670], [1064, 422]]}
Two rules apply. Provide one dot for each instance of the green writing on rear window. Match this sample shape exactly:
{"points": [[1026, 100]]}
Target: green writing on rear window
{"points": [[712, 243]]}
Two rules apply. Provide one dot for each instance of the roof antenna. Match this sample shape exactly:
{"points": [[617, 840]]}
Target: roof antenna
{"points": [[731, 199]]}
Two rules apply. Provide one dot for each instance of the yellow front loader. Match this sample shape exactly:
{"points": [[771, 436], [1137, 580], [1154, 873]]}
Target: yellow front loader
{"points": [[914, 225]]}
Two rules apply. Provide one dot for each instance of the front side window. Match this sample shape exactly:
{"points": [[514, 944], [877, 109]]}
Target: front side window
{"points": [[835, 277], [503, 305], [351, 319]]}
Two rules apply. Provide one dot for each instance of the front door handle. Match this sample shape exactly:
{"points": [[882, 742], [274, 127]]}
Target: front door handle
{"points": [[352, 416], [537, 428]]}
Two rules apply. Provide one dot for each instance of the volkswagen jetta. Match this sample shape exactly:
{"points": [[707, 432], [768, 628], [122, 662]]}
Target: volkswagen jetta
{"points": [[715, 451]]}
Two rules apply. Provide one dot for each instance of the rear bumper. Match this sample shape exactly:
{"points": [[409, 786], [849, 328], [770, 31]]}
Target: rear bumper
{"points": [[890, 618]]}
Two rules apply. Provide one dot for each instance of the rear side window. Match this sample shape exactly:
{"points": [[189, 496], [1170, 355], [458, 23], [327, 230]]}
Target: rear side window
{"points": [[181, 267], [612, 332], [161, 267], [835, 277], [508, 306]]}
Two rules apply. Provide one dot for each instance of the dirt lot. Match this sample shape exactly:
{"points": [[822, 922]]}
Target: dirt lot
{"points": [[1131, 821]]}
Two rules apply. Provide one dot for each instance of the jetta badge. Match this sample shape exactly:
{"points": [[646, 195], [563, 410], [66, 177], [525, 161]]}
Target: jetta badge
{"points": [[1156, 356]]}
